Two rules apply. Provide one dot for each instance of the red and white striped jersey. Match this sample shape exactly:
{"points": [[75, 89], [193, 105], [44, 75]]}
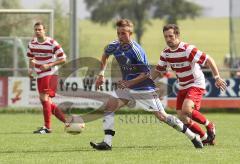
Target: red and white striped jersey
{"points": [[185, 61], [44, 53]]}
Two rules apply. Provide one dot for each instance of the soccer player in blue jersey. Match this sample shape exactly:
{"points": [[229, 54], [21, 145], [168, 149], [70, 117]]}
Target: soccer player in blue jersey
{"points": [[136, 85]]}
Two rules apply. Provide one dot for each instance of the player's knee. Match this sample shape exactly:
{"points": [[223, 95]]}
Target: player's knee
{"points": [[44, 97], [186, 110], [183, 118]]}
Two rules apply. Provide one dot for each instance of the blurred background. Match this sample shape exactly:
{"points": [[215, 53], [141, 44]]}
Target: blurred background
{"points": [[85, 27]]}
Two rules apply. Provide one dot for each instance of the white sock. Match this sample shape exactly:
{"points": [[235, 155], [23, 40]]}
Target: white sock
{"points": [[179, 126], [190, 134], [108, 139], [204, 137], [206, 123], [108, 121], [108, 124]]}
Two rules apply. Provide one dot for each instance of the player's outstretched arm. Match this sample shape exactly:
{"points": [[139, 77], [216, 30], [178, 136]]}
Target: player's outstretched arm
{"points": [[220, 83], [100, 77], [128, 83]]}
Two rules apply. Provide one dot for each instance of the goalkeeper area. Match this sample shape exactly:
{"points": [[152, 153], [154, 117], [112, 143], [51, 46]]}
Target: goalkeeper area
{"points": [[137, 140]]}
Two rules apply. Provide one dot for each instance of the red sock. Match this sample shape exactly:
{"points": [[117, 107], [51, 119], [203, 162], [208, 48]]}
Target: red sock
{"points": [[198, 117], [46, 113], [195, 128], [58, 113]]}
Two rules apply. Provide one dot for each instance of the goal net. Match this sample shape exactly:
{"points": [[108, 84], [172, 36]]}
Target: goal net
{"points": [[16, 30]]}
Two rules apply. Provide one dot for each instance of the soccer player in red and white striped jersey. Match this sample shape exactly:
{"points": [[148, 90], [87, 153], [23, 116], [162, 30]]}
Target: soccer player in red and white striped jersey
{"points": [[185, 60], [45, 54]]}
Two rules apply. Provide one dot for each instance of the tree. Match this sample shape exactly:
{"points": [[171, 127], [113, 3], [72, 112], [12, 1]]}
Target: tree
{"points": [[6, 21], [140, 11], [174, 10]]}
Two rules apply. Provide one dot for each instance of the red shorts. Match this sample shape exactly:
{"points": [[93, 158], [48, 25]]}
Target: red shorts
{"points": [[48, 85], [193, 93]]}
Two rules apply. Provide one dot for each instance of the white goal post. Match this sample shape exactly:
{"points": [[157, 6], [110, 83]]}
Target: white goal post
{"points": [[34, 11]]}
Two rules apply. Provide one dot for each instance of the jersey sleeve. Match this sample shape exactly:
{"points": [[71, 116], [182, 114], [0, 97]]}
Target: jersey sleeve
{"points": [[162, 63], [58, 51], [194, 55], [141, 60], [110, 48]]}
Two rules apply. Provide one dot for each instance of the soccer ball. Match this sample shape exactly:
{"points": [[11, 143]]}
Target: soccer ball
{"points": [[75, 128], [74, 125]]}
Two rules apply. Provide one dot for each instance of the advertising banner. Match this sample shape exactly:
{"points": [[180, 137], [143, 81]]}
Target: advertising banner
{"points": [[213, 98], [79, 92]]}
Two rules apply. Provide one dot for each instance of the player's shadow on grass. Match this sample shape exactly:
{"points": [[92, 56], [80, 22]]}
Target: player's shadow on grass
{"points": [[85, 149], [5, 133], [147, 147]]}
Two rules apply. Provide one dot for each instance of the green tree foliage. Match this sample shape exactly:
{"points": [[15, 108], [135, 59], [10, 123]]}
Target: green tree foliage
{"points": [[140, 11], [7, 27], [174, 10], [7, 22]]}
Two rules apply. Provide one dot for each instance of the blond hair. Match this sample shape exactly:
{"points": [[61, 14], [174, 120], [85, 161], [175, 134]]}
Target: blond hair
{"points": [[125, 23]]}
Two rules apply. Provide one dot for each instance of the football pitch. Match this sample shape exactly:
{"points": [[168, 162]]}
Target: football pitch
{"points": [[139, 139]]}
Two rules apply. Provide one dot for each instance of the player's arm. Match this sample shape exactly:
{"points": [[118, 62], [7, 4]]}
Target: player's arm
{"points": [[60, 55], [31, 67], [49, 65], [128, 83], [100, 77], [220, 83], [30, 62], [156, 74], [58, 62]]}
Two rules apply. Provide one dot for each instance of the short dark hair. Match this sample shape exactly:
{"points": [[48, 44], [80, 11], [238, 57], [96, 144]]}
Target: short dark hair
{"points": [[39, 24], [125, 23], [172, 26]]}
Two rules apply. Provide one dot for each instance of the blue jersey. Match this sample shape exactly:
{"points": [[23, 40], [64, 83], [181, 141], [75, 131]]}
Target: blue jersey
{"points": [[132, 61]]}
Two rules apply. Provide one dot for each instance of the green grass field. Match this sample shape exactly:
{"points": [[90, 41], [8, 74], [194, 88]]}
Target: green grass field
{"points": [[139, 139]]}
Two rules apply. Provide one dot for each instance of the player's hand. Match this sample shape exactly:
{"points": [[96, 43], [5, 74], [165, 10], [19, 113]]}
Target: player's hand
{"points": [[45, 67], [30, 73], [32, 63], [122, 84], [221, 84], [99, 81]]}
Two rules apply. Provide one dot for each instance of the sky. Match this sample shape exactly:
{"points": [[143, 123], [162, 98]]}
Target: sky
{"points": [[212, 8], [35, 4]]}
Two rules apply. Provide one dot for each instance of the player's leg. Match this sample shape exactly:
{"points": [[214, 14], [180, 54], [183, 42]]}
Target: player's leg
{"points": [[179, 126], [58, 113], [185, 114], [43, 89], [44, 98], [53, 82], [150, 102], [190, 108], [197, 116], [184, 107], [112, 105]]}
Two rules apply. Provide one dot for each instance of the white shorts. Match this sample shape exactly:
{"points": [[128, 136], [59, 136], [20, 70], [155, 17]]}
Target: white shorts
{"points": [[147, 99]]}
